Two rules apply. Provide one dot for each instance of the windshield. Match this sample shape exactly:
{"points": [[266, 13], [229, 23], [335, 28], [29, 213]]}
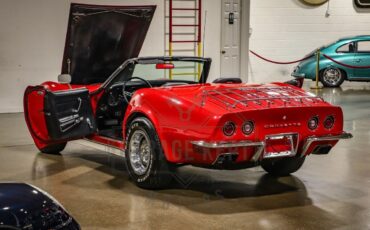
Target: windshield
{"points": [[159, 70], [176, 70]]}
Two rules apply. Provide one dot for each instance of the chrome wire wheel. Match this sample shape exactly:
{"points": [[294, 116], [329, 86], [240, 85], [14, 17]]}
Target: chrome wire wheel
{"points": [[332, 76], [140, 152]]}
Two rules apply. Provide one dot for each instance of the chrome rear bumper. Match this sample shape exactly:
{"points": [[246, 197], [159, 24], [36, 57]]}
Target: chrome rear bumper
{"points": [[260, 145], [224, 145], [311, 140]]}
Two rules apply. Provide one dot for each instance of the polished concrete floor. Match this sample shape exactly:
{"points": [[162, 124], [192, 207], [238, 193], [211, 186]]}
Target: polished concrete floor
{"points": [[329, 192]]}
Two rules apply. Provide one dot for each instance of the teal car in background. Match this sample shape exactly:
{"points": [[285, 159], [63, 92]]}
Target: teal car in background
{"points": [[351, 51]]}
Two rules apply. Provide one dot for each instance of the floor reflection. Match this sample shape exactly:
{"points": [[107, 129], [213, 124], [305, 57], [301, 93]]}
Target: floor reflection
{"points": [[204, 187]]}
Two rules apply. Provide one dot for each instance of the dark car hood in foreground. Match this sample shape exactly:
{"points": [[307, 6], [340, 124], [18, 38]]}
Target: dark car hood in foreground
{"points": [[100, 38], [25, 207]]}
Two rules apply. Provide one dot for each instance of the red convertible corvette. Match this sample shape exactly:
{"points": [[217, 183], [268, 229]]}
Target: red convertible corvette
{"points": [[161, 115]]}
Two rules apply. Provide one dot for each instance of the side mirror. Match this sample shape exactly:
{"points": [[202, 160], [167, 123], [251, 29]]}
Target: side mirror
{"points": [[64, 78]]}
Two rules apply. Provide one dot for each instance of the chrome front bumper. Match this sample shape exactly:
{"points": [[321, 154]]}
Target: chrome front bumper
{"points": [[298, 75], [261, 144]]}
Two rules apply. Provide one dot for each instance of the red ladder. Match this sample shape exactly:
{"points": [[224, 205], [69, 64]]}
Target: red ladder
{"points": [[184, 20]]}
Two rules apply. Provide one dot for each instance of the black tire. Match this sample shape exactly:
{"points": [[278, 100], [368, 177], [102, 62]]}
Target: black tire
{"points": [[54, 149], [335, 83], [157, 175], [282, 166]]}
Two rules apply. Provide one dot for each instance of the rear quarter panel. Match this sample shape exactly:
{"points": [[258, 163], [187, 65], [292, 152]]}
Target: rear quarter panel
{"points": [[176, 121]]}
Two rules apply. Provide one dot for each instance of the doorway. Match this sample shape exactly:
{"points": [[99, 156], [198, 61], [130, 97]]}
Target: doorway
{"points": [[230, 38]]}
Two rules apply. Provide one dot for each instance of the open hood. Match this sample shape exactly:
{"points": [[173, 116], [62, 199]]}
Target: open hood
{"points": [[101, 38]]}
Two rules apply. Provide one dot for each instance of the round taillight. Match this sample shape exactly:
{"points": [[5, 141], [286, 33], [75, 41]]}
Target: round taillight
{"points": [[229, 128], [313, 123], [248, 127], [329, 122]]}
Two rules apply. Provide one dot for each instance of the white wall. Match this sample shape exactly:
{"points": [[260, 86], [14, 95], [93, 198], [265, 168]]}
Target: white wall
{"points": [[32, 35], [285, 30]]}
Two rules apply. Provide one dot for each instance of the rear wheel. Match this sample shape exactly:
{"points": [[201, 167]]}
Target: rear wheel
{"points": [[145, 159], [282, 166], [332, 77], [54, 149]]}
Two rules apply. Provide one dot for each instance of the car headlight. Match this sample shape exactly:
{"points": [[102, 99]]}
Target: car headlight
{"points": [[296, 69]]}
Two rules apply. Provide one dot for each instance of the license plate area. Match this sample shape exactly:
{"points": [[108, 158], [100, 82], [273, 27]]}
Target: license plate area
{"points": [[281, 145]]}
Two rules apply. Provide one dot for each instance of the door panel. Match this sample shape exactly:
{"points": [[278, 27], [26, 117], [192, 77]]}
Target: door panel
{"points": [[68, 114], [362, 58], [230, 39]]}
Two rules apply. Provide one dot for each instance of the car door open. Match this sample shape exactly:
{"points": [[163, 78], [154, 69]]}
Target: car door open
{"points": [[58, 116], [68, 114]]}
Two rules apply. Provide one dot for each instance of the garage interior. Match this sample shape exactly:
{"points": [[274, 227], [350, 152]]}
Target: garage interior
{"points": [[328, 192]]}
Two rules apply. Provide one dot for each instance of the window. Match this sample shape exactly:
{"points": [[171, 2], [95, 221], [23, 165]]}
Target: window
{"points": [[363, 47], [152, 70], [181, 70], [347, 48]]}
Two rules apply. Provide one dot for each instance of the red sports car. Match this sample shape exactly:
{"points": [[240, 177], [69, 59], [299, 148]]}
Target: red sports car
{"points": [[161, 112]]}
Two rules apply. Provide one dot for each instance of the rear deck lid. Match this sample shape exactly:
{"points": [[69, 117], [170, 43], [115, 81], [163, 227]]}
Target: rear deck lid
{"points": [[100, 38], [260, 97], [241, 97]]}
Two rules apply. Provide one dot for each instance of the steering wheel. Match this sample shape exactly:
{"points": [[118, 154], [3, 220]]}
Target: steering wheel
{"points": [[128, 94]]}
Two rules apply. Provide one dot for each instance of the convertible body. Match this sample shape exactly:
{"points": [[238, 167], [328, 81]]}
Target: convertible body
{"points": [[190, 119], [161, 116]]}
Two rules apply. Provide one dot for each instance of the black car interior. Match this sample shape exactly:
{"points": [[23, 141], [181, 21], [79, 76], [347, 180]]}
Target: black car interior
{"points": [[351, 48], [66, 110], [230, 80], [113, 104]]}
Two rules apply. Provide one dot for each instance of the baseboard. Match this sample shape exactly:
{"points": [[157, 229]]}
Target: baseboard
{"points": [[11, 110]]}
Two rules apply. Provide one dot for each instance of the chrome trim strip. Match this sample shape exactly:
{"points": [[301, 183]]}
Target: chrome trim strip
{"points": [[257, 156], [313, 139], [108, 147], [279, 155], [298, 75], [216, 145]]}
